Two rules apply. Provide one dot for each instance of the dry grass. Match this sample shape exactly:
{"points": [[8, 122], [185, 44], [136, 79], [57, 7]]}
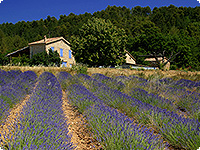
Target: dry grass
{"points": [[112, 72], [38, 70], [175, 74]]}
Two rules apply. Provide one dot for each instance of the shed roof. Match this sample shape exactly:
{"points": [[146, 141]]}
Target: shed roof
{"points": [[22, 49]]}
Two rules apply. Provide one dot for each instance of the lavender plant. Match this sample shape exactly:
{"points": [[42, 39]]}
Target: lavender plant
{"points": [[133, 82], [189, 102], [123, 79], [185, 100], [42, 124], [65, 79], [113, 134], [110, 82], [80, 97], [187, 83], [9, 76], [13, 92], [180, 132], [149, 114], [152, 99], [116, 131]]}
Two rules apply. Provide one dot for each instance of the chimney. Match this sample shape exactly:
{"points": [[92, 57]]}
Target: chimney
{"points": [[45, 38]]}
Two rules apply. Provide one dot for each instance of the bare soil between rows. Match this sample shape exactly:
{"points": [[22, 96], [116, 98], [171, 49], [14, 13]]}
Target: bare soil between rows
{"points": [[81, 136]]}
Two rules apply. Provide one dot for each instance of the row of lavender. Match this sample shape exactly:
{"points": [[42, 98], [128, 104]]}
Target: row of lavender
{"points": [[114, 130], [42, 124], [164, 121], [184, 94], [177, 130], [14, 86]]}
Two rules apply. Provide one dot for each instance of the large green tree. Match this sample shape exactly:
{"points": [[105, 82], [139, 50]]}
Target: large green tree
{"points": [[158, 45], [99, 43]]}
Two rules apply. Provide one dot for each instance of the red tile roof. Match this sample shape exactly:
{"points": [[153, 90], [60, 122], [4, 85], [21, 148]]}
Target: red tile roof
{"points": [[48, 40]]}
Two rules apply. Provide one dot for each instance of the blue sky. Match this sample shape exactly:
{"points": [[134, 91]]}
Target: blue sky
{"points": [[12, 11]]}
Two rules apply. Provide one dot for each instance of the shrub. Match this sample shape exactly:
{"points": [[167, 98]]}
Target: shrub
{"points": [[80, 68]]}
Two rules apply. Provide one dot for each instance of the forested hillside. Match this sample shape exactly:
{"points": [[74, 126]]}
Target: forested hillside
{"points": [[162, 30]]}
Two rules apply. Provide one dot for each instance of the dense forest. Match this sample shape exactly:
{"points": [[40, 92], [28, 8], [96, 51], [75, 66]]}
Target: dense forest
{"points": [[169, 30]]}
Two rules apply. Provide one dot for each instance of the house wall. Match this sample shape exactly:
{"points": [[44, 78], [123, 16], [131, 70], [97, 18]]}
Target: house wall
{"points": [[167, 66], [130, 60], [34, 49], [62, 45]]}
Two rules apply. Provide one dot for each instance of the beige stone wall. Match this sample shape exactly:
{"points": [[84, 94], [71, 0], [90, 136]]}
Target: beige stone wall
{"points": [[34, 49], [62, 45], [167, 66], [129, 60]]}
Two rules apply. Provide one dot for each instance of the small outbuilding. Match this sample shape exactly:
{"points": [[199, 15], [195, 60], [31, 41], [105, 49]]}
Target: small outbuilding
{"points": [[153, 63]]}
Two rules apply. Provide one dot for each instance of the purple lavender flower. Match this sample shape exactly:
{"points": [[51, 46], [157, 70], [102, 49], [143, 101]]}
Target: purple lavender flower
{"points": [[42, 122]]}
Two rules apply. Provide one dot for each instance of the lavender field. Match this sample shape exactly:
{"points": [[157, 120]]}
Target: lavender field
{"points": [[122, 112]]}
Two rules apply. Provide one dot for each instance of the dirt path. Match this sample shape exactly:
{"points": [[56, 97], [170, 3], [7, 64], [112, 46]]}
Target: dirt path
{"points": [[8, 127], [80, 134]]}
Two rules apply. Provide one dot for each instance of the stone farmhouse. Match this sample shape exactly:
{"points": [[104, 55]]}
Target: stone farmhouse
{"points": [[58, 44]]}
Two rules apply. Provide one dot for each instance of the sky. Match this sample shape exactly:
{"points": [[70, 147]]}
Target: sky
{"points": [[12, 11]]}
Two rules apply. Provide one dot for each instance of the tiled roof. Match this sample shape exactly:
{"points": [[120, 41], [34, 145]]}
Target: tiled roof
{"points": [[48, 40]]}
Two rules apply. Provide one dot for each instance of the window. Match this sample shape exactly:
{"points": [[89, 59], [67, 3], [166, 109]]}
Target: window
{"points": [[52, 48], [61, 52], [70, 65], [70, 54]]}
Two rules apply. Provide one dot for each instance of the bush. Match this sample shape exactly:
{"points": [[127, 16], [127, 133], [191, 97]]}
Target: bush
{"points": [[46, 59], [80, 68]]}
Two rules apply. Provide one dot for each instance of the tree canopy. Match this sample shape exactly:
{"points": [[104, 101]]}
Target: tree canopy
{"points": [[100, 43]]}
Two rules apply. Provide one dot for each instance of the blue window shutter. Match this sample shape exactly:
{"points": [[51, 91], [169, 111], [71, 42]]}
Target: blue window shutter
{"points": [[61, 52], [70, 54], [52, 48]]}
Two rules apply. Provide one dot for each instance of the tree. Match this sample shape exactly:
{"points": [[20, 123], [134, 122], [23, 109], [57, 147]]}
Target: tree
{"points": [[54, 58], [21, 60], [99, 43], [3, 60], [46, 59], [144, 27], [158, 45]]}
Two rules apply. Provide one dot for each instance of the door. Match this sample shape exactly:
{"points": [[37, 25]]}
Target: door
{"points": [[64, 64]]}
